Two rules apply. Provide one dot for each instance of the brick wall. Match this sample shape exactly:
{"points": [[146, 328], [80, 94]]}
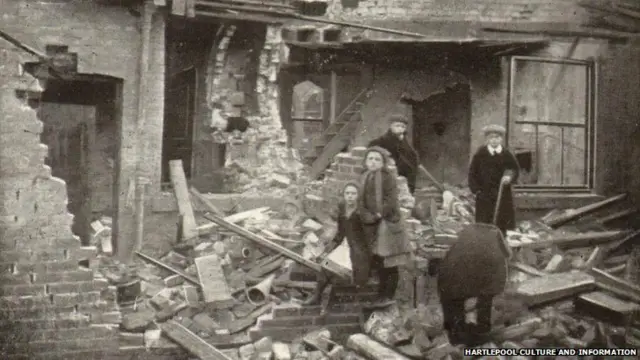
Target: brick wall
{"points": [[107, 40], [463, 10], [50, 306], [347, 167]]}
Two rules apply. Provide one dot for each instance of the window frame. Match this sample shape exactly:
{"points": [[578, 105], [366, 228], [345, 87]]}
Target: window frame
{"points": [[322, 99], [591, 66]]}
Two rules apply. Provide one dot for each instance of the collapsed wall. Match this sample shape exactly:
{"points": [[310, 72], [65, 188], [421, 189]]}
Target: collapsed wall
{"points": [[258, 159], [52, 305]]}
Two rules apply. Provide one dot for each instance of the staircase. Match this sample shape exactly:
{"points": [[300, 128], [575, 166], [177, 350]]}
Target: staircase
{"points": [[336, 137]]}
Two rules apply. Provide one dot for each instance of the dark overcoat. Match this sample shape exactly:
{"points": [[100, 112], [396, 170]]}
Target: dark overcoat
{"points": [[403, 154], [485, 174], [475, 264], [350, 227]]}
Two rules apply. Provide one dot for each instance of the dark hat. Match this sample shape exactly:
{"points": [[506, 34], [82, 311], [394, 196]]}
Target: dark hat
{"points": [[494, 129], [398, 118]]}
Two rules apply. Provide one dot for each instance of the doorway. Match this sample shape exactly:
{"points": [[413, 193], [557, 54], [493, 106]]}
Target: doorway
{"points": [[80, 128], [442, 133], [177, 142]]}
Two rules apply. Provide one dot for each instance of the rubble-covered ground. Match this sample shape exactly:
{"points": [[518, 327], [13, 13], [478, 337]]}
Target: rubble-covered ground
{"points": [[571, 285]]}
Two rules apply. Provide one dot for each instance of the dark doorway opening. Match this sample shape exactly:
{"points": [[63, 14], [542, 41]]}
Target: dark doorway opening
{"points": [[442, 133], [81, 121], [180, 105]]}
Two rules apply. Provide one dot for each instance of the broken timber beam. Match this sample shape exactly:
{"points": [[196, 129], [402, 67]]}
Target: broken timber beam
{"points": [[630, 238], [614, 284], [432, 178], [582, 211], [235, 218], [616, 216], [527, 269], [159, 263], [181, 191], [592, 238], [551, 287], [210, 207], [264, 242], [191, 342]]}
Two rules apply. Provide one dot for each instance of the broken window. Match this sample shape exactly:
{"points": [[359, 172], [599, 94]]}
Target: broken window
{"points": [[551, 123], [308, 101]]}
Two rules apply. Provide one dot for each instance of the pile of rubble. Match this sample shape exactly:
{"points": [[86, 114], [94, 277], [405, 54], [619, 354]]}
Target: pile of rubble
{"points": [[564, 288], [234, 289]]}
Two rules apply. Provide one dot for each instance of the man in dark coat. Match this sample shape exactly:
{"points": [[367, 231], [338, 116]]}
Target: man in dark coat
{"points": [[474, 267], [396, 143], [493, 166]]}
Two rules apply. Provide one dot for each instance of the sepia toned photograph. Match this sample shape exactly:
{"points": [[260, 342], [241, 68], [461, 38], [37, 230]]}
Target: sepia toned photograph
{"points": [[319, 179]]}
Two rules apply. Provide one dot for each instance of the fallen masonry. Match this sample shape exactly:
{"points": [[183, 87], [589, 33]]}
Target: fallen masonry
{"points": [[234, 291]]}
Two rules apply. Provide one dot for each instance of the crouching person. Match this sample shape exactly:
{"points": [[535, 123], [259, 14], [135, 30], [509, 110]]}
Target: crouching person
{"points": [[349, 228], [382, 224], [474, 267]]}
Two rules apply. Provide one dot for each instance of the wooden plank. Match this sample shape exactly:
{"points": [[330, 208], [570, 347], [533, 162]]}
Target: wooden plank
{"points": [[616, 216], [234, 219], [592, 238], [629, 238], [594, 258], [191, 342], [214, 284], [371, 349], [169, 268], [245, 323], [606, 307], [552, 287], [207, 204], [264, 242], [578, 213], [181, 191], [615, 285]]}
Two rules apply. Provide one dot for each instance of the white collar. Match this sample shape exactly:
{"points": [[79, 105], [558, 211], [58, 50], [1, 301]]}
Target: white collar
{"points": [[496, 150]]}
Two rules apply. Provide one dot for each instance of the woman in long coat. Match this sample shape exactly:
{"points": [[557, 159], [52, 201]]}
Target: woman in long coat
{"points": [[349, 227], [378, 207]]}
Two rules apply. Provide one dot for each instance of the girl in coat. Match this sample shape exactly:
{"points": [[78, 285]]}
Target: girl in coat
{"points": [[378, 206], [349, 227]]}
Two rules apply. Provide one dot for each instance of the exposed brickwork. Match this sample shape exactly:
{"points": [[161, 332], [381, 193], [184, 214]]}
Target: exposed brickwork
{"points": [[463, 10], [50, 304], [107, 41], [52, 308], [347, 167]]}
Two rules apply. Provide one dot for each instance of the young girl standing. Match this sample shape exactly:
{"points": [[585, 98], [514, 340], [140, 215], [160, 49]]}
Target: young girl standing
{"points": [[381, 222], [349, 227]]}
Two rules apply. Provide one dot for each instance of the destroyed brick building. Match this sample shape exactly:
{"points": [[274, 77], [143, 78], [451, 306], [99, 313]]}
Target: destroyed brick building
{"points": [[118, 89]]}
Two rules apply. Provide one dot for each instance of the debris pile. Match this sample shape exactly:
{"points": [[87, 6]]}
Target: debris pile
{"points": [[233, 287], [564, 290]]}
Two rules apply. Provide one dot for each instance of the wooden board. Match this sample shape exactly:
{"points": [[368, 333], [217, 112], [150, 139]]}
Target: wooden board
{"points": [[552, 287], [191, 342], [214, 284], [606, 307], [234, 219], [587, 239], [181, 190]]}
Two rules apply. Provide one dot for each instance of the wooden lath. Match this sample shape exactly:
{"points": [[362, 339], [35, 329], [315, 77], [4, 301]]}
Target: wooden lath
{"points": [[263, 11]]}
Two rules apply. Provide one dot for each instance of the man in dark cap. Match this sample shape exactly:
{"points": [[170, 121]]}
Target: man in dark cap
{"points": [[396, 143], [493, 166]]}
